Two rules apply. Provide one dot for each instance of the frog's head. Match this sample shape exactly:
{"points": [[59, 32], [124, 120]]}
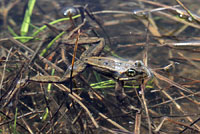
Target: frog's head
{"points": [[137, 71]]}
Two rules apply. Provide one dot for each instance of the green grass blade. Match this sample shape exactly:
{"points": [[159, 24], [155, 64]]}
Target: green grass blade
{"points": [[27, 17], [25, 38], [12, 31], [44, 117], [50, 84], [15, 123], [53, 22], [51, 43]]}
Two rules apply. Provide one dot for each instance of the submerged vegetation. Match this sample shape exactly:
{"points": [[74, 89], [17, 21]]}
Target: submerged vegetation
{"points": [[115, 67]]}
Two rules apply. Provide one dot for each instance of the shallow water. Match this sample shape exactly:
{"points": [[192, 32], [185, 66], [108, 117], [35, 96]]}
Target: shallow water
{"points": [[129, 38]]}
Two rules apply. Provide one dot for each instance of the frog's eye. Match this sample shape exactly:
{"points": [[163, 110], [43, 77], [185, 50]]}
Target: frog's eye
{"points": [[138, 63], [131, 72], [69, 10]]}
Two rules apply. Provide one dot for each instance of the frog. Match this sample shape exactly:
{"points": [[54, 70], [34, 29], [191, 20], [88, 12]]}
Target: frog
{"points": [[119, 70]]}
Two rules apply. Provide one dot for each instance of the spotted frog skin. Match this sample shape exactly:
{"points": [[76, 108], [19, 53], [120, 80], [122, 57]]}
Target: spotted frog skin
{"points": [[119, 69]]}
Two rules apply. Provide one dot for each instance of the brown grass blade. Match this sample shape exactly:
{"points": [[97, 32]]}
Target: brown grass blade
{"points": [[171, 82]]}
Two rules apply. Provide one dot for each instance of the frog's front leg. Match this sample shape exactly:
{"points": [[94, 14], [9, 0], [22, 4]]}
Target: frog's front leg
{"points": [[119, 91], [121, 96]]}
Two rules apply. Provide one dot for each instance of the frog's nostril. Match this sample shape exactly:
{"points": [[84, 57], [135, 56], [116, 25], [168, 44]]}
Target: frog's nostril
{"points": [[105, 63]]}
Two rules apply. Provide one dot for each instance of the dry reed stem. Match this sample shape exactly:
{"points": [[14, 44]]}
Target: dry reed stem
{"points": [[137, 123], [145, 106]]}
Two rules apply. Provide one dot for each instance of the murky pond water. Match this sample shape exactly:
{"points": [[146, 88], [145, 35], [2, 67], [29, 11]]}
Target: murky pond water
{"points": [[167, 35]]}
